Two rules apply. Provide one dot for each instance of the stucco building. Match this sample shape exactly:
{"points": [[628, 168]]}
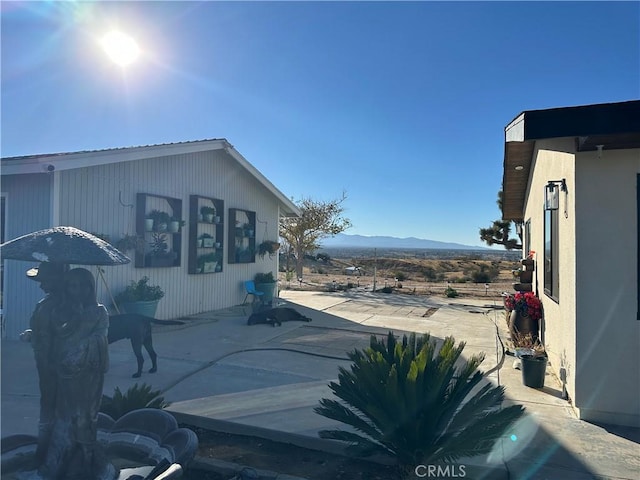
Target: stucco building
{"points": [[586, 160]]}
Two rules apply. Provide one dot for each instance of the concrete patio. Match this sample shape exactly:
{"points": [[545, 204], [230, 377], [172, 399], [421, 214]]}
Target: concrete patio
{"points": [[260, 380]]}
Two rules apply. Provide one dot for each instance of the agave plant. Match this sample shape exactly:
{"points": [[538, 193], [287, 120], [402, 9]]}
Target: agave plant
{"points": [[133, 399], [412, 401]]}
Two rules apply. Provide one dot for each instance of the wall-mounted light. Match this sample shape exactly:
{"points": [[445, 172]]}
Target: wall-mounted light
{"points": [[552, 194]]}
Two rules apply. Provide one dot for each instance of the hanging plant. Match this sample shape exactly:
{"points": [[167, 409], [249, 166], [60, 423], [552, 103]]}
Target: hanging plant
{"points": [[130, 242], [268, 247]]}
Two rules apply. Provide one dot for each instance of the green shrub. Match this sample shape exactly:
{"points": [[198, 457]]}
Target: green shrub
{"points": [[408, 400], [451, 292], [140, 291], [386, 290], [400, 276], [264, 278], [134, 399], [481, 277], [459, 279], [323, 257]]}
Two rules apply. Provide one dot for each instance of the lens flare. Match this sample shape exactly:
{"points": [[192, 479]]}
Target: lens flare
{"points": [[120, 48]]}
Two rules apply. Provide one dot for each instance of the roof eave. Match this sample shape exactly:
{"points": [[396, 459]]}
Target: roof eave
{"points": [[515, 178], [73, 160]]}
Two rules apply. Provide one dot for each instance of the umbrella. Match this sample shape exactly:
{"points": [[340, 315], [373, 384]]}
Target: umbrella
{"points": [[63, 245]]}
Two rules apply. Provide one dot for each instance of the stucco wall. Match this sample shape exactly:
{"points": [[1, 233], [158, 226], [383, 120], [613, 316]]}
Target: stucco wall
{"points": [[28, 207], [608, 334], [591, 332], [554, 160], [97, 199]]}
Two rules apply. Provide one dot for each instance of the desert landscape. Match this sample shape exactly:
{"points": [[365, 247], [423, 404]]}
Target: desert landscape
{"points": [[469, 273]]}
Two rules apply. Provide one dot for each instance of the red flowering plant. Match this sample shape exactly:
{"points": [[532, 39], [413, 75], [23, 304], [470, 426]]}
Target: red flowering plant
{"points": [[525, 303]]}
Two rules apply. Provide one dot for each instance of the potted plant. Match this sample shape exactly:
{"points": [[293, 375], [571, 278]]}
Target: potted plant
{"points": [[218, 260], [161, 220], [534, 366], [140, 297], [266, 283], [160, 255], [206, 240], [175, 224], [239, 229], [207, 213], [268, 247], [245, 254], [130, 242], [525, 313], [207, 263], [148, 224]]}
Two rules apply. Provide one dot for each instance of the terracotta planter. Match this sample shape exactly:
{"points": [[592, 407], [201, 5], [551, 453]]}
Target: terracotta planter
{"points": [[522, 325]]}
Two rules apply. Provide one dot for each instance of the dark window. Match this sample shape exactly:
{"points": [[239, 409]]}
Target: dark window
{"points": [[551, 250]]}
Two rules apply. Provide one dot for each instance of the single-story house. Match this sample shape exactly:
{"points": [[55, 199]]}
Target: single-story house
{"points": [[228, 208], [572, 177]]}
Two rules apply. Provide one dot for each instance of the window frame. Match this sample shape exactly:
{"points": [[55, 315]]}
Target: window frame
{"points": [[551, 254]]}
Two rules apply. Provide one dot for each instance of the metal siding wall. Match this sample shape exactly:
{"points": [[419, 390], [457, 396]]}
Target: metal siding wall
{"points": [[90, 201], [28, 210]]}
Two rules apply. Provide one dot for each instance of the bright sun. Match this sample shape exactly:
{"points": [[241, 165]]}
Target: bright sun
{"points": [[121, 48]]}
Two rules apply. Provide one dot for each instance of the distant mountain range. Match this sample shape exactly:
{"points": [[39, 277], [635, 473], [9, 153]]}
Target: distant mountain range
{"points": [[343, 240]]}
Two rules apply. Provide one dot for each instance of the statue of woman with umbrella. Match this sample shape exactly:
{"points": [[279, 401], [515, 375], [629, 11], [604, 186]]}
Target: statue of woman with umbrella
{"points": [[69, 329]]}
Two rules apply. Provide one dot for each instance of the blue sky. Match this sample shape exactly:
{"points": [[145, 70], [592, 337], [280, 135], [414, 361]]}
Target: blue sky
{"points": [[403, 105]]}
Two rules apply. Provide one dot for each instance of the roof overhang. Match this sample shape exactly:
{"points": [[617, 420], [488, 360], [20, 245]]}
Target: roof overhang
{"points": [[611, 125], [68, 161]]}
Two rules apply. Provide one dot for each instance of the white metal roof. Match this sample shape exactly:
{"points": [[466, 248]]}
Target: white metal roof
{"points": [[71, 160]]}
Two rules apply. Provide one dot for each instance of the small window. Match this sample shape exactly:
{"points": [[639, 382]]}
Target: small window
{"points": [[551, 250]]}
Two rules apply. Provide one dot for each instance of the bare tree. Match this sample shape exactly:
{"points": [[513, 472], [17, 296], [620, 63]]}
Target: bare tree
{"points": [[318, 220], [500, 231]]}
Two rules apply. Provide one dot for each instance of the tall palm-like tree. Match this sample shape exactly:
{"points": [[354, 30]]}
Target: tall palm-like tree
{"points": [[411, 400]]}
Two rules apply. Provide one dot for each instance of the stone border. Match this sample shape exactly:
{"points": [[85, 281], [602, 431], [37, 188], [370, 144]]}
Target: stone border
{"points": [[223, 467]]}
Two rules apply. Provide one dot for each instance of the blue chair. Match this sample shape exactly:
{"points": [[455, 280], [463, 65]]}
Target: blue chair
{"points": [[250, 287]]}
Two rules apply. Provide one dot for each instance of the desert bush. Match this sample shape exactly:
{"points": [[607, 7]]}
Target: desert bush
{"points": [[323, 257], [451, 292], [386, 289], [459, 279], [135, 398], [485, 274], [400, 276], [430, 274], [409, 400]]}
